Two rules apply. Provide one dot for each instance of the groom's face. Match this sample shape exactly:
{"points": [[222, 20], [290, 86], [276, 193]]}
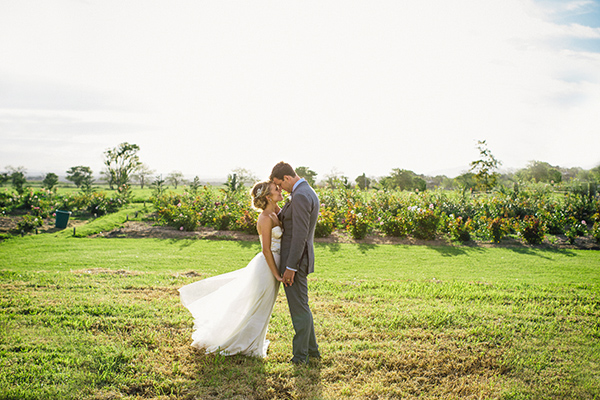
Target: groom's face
{"points": [[286, 184]]}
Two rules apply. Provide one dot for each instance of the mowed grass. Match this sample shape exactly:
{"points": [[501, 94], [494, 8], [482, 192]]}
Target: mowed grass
{"points": [[101, 319]]}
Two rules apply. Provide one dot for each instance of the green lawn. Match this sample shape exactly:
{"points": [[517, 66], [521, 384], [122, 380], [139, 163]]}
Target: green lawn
{"points": [[100, 318]]}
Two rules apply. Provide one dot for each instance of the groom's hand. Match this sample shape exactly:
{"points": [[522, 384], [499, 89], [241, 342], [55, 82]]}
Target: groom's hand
{"points": [[288, 277]]}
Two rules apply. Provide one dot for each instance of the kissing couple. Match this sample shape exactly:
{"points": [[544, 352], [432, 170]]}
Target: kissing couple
{"points": [[232, 311]]}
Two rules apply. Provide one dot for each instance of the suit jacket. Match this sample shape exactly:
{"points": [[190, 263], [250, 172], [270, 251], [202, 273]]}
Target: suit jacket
{"points": [[299, 218]]}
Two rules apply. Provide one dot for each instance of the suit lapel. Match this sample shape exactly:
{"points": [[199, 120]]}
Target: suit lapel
{"points": [[283, 211]]}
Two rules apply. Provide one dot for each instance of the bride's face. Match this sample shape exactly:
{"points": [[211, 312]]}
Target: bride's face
{"points": [[276, 195]]}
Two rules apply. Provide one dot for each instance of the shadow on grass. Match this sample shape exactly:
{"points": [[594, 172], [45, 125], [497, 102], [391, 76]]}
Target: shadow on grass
{"points": [[332, 247], [364, 248], [531, 250], [539, 251], [236, 376], [453, 251]]}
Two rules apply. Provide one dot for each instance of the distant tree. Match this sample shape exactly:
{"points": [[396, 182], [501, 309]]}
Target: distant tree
{"points": [[466, 181], [440, 182], [50, 181], [540, 171], [233, 184], [244, 176], [363, 182], [175, 177], [18, 181], [403, 179], [308, 174], [121, 163], [4, 177], [143, 174], [419, 184], [336, 180], [568, 174], [484, 169], [17, 178], [195, 185], [158, 186], [82, 177], [595, 174]]}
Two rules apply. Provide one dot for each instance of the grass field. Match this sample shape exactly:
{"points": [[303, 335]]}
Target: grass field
{"points": [[99, 318]]}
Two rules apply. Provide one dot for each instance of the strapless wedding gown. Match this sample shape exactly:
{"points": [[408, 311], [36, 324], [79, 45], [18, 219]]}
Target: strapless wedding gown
{"points": [[232, 311]]}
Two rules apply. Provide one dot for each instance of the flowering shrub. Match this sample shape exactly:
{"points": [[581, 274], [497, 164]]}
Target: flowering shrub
{"points": [[532, 229], [99, 203], [325, 223], [246, 222], [577, 228], [179, 216], [221, 219], [396, 225], [29, 223], [596, 232], [357, 220], [459, 228], [424, 222], [498, 228]]}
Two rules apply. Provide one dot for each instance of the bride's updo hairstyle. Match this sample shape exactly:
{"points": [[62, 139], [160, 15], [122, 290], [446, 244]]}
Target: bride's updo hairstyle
{"points": [[259, 194]]}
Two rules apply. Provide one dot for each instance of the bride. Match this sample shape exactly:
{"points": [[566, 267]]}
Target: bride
{"points": [[232, 311]]}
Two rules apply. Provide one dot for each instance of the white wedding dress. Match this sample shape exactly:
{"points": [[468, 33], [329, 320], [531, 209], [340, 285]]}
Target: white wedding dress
{"points": [[232, 311]]}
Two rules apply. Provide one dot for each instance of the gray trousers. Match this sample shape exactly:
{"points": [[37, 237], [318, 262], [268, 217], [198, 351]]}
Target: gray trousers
{"points": [[305, 341]]}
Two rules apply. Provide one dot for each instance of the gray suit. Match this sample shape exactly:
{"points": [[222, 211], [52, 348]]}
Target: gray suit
{"points": [[299, 218]]}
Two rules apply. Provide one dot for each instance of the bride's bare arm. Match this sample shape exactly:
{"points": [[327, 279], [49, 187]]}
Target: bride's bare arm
{"points": [[264, 226]]}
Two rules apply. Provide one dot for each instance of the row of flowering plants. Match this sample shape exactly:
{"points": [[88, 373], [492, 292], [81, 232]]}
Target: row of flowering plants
{"points": [[528, 212], [41, 204], [208, 207]]}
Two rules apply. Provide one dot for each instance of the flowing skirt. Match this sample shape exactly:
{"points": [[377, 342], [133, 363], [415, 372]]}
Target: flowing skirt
{"points": [[232, 311]]}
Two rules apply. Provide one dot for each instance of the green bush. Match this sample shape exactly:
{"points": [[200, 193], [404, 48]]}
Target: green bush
{"points": [[325, 223], [498, 228], [425, 222], [396, 225], [532, 229], [460, 229], [246, 222], [576, 229], [357, 220], [29, 223], [596, 232]]}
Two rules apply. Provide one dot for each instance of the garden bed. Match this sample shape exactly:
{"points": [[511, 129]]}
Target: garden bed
{"points": [[146, 229]]}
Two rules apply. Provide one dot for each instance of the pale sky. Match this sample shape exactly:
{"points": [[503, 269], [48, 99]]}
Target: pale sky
{"points": [[204, 87]]}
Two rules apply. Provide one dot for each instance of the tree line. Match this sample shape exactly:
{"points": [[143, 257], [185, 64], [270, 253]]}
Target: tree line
{"points": [[122, 167]]}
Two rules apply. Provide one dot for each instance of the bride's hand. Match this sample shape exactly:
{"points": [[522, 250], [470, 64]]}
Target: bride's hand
{"points": [[279, 278]]}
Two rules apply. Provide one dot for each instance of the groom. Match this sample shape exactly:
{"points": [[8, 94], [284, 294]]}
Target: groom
{"points": [[299, 218]]}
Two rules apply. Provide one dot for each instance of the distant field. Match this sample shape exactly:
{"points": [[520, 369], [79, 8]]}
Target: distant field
{"points": [[100, 318]]}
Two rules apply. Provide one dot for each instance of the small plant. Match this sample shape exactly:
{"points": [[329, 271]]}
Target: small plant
{"points": [[357, 221], [532, 229], [124, 193], [425, 222], [576, 229], [325, 223], [222, 218], [179, 216], [29, 223], [396, 225], [460, 228], [246, 222], [158, 186], [497, 228], [596, 232]]}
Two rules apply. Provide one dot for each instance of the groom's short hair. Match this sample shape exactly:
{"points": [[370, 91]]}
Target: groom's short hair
{"points": [[281, 169]]}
